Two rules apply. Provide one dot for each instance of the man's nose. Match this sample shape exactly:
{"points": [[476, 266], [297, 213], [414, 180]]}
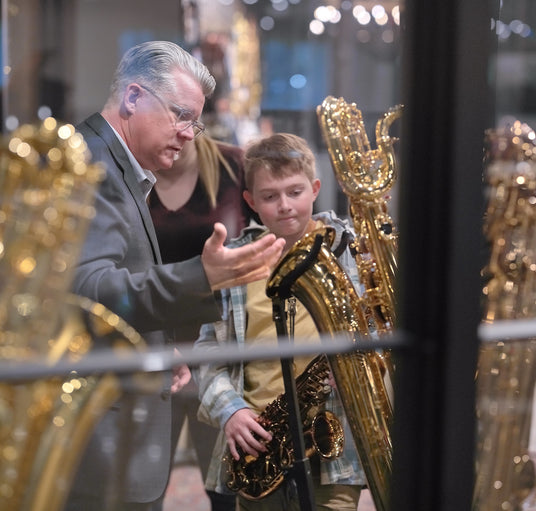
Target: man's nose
{"points": [[188, 133]]}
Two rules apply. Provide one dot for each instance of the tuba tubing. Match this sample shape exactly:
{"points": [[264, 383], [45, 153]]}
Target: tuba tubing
{"points": [[329, 296]]}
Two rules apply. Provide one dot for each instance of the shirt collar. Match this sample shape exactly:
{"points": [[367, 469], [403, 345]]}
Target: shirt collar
{"points": [[145, 178]]}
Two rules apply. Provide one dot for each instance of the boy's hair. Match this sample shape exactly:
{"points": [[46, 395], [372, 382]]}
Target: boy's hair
{"points": [[283, 154]]}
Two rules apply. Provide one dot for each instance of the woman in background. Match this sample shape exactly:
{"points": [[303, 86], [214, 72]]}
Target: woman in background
{"points": [[203, 186]]}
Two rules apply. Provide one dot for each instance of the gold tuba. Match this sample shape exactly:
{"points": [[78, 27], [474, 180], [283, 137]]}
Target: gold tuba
{"points": [[507, 366], [46, 203]]}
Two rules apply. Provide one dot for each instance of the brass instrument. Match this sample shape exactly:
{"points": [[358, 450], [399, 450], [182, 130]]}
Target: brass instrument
{"points": [[507, 367], [328, 294], [366, 175], [330, 298], [46, 203], [254, 478]]}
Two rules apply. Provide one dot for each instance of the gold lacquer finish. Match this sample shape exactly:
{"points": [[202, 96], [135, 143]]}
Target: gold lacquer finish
{"points": [[255, 478], [314, 276], [366, 176], [507, 367], [329, 296], [46, 202]]}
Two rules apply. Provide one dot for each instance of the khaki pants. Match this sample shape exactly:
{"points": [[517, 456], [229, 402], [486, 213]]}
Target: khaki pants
{"points": [[336, 497]]}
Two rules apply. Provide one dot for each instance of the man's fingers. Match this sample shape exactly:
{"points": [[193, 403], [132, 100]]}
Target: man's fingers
{"points": [[252, 257], [228, 267], [253, 276], [268, 242], [218, 236]]}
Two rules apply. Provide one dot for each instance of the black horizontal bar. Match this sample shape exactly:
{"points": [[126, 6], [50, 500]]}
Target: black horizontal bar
{"points": [[160, 359]]}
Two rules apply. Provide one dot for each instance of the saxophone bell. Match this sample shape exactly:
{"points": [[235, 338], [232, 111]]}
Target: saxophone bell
{"points": [[326, 435]]}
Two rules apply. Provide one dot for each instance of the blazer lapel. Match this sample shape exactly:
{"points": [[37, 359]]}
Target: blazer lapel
{"points": [[103, 129]]}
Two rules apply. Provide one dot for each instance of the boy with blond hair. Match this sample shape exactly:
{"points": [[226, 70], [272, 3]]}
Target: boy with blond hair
{"points": [[281, 187]]}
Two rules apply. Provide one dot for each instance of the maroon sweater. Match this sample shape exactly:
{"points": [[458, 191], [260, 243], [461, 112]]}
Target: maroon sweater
{"points": [[182, 233]]}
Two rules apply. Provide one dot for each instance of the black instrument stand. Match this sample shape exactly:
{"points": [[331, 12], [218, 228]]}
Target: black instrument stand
{"points": [[301, 470]]}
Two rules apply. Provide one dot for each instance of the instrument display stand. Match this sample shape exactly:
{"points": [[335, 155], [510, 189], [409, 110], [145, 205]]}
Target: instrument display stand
{"points": [[301, 470]]}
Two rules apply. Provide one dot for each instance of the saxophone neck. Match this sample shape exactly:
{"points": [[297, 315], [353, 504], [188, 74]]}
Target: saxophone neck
{"points": [[383, 125]]}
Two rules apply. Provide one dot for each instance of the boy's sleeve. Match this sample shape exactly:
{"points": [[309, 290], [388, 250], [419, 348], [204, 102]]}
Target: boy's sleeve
{"points": [[219, 397]]}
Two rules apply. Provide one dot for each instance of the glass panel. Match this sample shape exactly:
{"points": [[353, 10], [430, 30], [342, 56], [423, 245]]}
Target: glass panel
{"points": [[506, 450], [274, 62]]}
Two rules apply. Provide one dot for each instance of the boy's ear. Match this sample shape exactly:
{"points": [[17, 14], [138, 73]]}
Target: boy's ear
{"points": [[316, 187], [249, 199]]}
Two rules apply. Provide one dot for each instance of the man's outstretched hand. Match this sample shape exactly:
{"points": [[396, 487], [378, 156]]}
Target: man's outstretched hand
{"points": [[229, 267]]}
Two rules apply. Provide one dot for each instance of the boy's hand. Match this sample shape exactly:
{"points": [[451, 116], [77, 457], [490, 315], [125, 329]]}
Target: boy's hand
{"points": [[241, 429], [229, 267]]}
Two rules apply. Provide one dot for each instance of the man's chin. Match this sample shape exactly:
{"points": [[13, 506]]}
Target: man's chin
{"points": [[166, 163]]}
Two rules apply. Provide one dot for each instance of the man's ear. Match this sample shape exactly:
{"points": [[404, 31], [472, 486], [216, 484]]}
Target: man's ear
{"points": [[249, 199], [132, 95]]}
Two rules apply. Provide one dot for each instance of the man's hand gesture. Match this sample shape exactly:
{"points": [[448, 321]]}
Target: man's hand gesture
{"points": [[229, 267]]}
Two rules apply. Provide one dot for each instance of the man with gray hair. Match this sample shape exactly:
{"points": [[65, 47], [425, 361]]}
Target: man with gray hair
{"points": [[156, 98]]}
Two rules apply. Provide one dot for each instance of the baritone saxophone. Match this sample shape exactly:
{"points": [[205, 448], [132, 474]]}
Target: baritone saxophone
{"points": [[311, 273], [366, 176], [326, 291]]}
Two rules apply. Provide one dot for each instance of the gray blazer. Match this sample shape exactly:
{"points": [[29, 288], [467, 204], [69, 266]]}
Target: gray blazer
{"points": [[120, 267]]}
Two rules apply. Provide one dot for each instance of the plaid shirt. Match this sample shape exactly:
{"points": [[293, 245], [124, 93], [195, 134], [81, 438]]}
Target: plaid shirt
{"points": [[221, 387]]}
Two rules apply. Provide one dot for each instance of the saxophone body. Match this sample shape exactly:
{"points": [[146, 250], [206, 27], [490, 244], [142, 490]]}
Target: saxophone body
{"points": [[255, 478], [506, 373], [330, 297]]}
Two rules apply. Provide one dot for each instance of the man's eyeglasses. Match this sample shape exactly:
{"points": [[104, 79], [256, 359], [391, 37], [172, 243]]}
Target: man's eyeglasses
{"points": [[180, 115]]}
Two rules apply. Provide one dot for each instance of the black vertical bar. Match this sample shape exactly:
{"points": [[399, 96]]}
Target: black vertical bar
{"points": [[301, 469], [447, 98]]}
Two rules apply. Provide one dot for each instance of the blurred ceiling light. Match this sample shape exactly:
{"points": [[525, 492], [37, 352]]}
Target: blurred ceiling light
{"points": [[317, 27], [382, 20], [388, 36], [395, 13], [267, 23], [502, 30], [280, 5], [378, 11], [336, 16], [324, 13], [358, 9], [11, 123], [298, 81], [363, 36], [363, 17]]}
